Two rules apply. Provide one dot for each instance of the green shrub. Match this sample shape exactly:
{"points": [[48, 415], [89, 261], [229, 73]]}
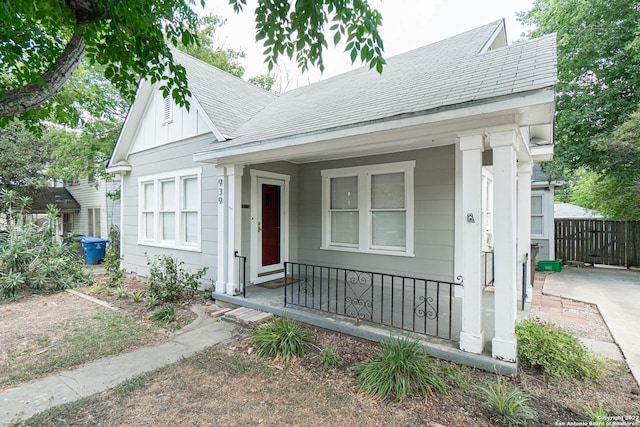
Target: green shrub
{"points": [[122, 291], [598, 416], [401, 367], [556, 351], [282, 338], [507, 405], [32, 260], [115, 274], [11, 283], [330, 358], [137, 296], [165, 315], [152, 301], [169, 281]]}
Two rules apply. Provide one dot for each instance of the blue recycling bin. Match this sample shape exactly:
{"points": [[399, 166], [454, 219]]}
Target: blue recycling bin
{"points": [[94, 249]]}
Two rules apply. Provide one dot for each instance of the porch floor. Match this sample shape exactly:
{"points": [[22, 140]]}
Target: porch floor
{"points": [[272, 301]]}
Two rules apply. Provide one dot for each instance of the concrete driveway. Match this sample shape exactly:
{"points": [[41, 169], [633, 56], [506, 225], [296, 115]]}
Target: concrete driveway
{"points": [[616, 292]]}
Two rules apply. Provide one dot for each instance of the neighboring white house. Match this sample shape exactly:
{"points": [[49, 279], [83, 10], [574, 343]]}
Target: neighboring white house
{"points": [[570, 211], [542, 213], [360, 173], [98, 211], [68, 207]]}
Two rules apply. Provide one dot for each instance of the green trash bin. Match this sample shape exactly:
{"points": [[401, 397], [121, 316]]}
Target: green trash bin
{"points": [[94, 249]]}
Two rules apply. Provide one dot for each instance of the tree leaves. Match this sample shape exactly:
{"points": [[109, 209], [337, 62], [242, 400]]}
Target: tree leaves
{"points": [[598, 93], [129, 38], [132, 39], [598, 71], [299, 32], [23, 157]]}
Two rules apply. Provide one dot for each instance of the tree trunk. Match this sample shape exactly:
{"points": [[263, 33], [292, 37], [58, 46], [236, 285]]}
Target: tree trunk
{"points": [[32, 95]]}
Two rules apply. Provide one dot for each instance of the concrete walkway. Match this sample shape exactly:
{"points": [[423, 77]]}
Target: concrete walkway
{"points": [[616, 292], [22, 402]]}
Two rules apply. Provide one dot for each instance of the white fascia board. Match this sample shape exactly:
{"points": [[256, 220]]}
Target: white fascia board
{"points": [[218, 135], [120, 168], [498, 31], [130, 126], [512, 105], [542, 153]]}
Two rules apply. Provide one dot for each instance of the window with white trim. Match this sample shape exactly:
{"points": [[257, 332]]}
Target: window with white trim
{"points": [[93, 220], [537, 215], [369, 208], [487, 210], [169, 209]]}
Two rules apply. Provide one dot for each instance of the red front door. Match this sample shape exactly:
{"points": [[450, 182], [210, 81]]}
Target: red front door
{"points": [[270, 224]]}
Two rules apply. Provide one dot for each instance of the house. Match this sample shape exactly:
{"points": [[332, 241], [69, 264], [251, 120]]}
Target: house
{"points": [[99, 206], [61, 198], [364, 192], [542, 212], [570, 211]]}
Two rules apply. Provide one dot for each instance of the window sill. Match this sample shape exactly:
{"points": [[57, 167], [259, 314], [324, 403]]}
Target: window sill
{"points": [[170, 246], [368, 252]]}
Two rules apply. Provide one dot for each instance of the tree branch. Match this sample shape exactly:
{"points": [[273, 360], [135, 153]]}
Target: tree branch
{"points": [[34, 94]]}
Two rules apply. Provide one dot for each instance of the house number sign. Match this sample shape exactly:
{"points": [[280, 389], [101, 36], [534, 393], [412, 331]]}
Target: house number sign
{"points": [[220, 191]]}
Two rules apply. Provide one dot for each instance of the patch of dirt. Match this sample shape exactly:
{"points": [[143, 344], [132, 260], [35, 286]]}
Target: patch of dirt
{"points": [[29, 325], [27, 321], [139, 310]]}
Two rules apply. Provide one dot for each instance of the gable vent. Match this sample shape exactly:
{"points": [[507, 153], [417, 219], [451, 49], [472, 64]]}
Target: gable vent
{"points": [[166, 118]]}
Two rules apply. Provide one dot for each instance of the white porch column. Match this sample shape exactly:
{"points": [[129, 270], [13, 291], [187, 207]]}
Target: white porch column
{"points": [[505, 233], [524, 226], [234, 224], [222, 234], [472, 334]]}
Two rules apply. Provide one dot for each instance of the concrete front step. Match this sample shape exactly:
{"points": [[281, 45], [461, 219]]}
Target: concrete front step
{"points": [[246, 316]]}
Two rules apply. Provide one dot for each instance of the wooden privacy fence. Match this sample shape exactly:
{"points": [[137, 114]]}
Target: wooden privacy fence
{"points": [[598, 241]]}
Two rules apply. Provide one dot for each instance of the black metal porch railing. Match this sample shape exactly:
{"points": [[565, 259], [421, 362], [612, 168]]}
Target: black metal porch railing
{"points": [[524, 279], [242, 274], [412, 304], [488, 268]]}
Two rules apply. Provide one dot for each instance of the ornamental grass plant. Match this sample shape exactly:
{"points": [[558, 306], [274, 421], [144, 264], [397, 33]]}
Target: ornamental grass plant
{"points": [[281, 338], [401, 367]]}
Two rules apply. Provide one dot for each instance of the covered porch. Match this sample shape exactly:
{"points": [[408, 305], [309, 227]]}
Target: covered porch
{"points": [[427, 278]]}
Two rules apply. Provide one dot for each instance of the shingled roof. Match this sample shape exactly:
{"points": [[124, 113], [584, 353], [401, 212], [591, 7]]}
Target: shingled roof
{"points": [[57, 196], [228, 100], [445, 74]]}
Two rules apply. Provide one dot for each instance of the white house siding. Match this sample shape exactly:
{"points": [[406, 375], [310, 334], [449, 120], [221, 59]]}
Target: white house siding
{"points": [[434, 217], [166, 158], [90, 196], [154, 131], [546, 243]]}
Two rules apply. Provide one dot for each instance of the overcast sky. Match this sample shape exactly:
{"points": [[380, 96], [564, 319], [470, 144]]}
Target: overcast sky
{"points": [[407, 24]]}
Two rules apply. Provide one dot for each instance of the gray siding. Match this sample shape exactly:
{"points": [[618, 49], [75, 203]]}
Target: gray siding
{"points": [[434, 213], [170, 157]]}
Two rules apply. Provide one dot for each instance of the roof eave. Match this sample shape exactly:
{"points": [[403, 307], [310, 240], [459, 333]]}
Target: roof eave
{"points": [[539, 96]]}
